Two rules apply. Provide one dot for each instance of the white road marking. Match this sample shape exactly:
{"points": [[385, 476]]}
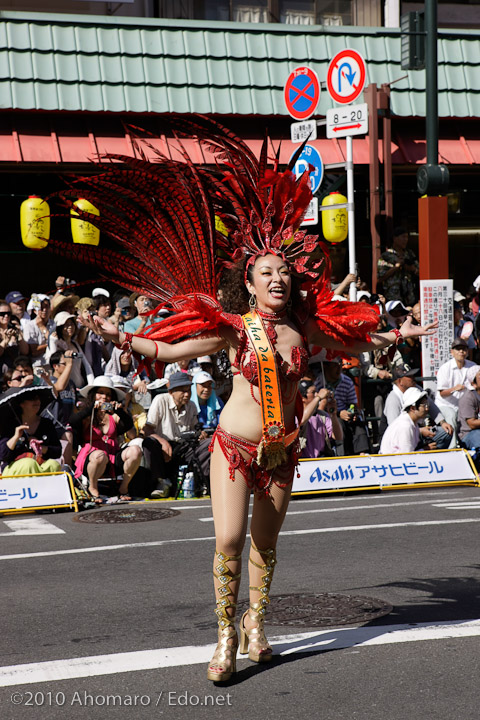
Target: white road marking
{"points": [[158, 543], [459, 505], [386, 494], [31, 526], [347, 508], [321, 640]]}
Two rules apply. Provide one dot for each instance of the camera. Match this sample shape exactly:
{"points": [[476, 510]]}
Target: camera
{"points": [[107, 407], [74, 355], [189, 435]]}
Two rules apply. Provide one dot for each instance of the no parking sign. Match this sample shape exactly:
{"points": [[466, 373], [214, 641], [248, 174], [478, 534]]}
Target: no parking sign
{"points": [[302, 93]]}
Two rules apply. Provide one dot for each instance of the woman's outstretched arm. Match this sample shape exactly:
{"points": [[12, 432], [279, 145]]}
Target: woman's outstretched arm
{"points": [[377, 340], [184, 350]]}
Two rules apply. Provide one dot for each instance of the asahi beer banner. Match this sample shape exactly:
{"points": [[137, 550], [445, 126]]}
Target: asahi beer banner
{"points": [[344, 473], [436, 299], [35, 491]]}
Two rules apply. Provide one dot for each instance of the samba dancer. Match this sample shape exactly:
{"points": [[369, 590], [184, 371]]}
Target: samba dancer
{"points": [[244, 217]]}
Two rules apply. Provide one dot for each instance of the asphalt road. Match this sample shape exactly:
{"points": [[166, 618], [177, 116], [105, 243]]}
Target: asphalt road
{"points": [[116, 620]]}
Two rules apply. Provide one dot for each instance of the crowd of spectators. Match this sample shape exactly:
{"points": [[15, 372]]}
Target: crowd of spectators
{"points": [[126, 434], [75, 400]]}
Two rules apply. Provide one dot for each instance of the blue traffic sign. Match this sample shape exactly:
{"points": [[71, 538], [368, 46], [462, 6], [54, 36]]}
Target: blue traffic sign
{"points": [[302, 93], [310, 156]]}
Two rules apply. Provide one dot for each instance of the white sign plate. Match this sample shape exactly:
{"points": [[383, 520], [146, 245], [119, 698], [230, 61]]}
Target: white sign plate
{"points": [[306, 130], [436, 302], [311, 216], [348, 120], [30, 491], [421, 468]]}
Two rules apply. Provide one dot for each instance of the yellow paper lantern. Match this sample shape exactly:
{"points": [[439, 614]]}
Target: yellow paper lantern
{"points": [[84, 232], [334, 221], [35, 222]]}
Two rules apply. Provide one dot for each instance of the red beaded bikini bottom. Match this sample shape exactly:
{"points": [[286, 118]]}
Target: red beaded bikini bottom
{"points": [[256, 477]]}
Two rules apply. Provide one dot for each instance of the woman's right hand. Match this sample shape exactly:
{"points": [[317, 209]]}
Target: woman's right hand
{"points": [[19, 430], [102, 327]]}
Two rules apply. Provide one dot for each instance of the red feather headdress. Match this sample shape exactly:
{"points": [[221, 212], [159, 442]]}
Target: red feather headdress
{"points": [[177, 226]]}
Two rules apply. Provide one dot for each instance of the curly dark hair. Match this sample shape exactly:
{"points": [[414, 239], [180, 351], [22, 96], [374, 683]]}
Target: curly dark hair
{"points": [[233, 294]]}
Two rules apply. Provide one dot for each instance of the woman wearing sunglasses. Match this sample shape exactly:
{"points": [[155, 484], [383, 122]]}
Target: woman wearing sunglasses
{"points": [[12, 343]]}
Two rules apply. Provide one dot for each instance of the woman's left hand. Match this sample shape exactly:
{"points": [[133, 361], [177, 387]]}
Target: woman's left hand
{"points": [[409, 330], [101, 327]]}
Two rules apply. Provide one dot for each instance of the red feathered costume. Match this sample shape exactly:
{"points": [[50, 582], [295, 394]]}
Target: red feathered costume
{"points": [[178, 226]]}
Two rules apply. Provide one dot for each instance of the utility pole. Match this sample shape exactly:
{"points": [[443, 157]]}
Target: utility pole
{"points": [[432, 178]]}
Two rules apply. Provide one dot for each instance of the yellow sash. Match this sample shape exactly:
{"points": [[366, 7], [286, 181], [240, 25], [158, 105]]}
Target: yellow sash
{"points": [[271, 450]]}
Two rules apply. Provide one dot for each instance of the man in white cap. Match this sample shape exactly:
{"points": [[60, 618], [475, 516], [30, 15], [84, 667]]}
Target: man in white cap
{"points": [[403, 435], [451, 378]]}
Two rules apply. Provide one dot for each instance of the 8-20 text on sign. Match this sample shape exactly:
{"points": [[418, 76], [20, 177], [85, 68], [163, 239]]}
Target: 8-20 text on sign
{"points": [[344, 121]]}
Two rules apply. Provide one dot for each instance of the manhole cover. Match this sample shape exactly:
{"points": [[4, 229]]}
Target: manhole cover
{"points": [[324, 610], [125, 515]]}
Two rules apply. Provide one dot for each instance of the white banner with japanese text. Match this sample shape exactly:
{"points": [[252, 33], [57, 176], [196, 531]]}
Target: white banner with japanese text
{"points": [[436, 301], [366, 471], [35, 491]]}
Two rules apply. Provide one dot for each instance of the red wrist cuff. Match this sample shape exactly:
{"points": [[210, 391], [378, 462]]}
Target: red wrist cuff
{"points": [[398, 336], [127, 343]]}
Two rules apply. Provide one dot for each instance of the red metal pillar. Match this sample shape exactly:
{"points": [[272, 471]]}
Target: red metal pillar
{"points": [[433, 238], [370, 95]]}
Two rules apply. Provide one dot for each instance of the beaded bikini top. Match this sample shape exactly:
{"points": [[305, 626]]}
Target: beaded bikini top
{"points": [[245, 361]]}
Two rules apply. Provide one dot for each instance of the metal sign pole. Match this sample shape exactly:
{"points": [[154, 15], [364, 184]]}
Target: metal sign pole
{"points": [[352, 263]]}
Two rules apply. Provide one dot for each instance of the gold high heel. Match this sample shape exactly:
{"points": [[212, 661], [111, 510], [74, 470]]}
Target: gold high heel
{"points": [[225, 655], [260, 650]]}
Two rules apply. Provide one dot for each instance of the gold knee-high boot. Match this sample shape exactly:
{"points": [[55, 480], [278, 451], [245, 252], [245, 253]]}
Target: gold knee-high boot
{"points": [[253, 641], [223, 663]]}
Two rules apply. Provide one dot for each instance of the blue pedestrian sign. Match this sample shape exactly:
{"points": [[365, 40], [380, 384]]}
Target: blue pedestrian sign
{"points": [[310, 156]]}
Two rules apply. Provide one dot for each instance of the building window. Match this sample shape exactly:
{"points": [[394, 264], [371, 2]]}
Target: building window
{"points": [[316, 12], [293, 12], [255, 11]]}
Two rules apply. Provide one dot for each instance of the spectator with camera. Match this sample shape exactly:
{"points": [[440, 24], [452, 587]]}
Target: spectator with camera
{"points": [[122, 313], [320, 427], [97, 427], [97, 352], [142, 304], [62, 408], [171, 430], [64, 338], [12, 342]]}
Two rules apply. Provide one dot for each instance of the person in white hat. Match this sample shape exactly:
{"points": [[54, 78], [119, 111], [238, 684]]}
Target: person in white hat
{"points": [[65, 338], [403, 435], [97, 426], [208, 405]]}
